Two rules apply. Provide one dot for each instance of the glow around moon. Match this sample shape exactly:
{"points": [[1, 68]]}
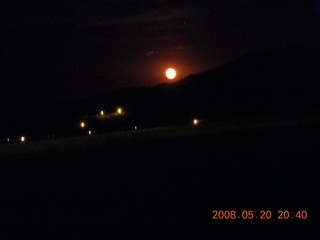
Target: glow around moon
{"points": [[171, 73]]}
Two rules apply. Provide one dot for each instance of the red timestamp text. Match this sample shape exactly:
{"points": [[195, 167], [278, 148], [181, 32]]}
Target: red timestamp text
{"points": [[260, 214]]}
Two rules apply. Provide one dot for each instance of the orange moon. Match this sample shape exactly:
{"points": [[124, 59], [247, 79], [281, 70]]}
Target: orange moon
{"points": [[171, 73]]}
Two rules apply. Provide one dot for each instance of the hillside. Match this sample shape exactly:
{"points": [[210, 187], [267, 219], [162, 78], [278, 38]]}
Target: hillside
{"points": [[268, 82], [264, 83]]}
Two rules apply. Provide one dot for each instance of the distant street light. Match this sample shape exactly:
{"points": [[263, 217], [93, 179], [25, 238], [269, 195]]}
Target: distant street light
{"points": [[82, 124], [101, 112], [119, 110], [89, 132], [135, 128], [195, 121], [23, 139]]}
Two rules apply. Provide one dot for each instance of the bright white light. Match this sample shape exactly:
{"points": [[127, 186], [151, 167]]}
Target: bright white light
{"points": [[8, 139], [195, 121], [101, 112], [23, 139], [171, 73], [89, 132]]}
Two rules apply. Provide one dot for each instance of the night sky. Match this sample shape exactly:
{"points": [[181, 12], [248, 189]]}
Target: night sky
{"points": [[60, 50]]}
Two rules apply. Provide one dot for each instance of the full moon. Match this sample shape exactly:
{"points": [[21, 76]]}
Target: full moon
{"points": [[171, 73]]}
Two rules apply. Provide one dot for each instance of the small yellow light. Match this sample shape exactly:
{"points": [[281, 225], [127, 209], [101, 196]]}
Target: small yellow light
{"points": [[119, 110], [23, 138], [195, 121], [82, 124], [101, 112]]}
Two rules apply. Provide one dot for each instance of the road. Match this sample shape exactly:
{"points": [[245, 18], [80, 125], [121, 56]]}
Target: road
{"points": [[160, 185]]}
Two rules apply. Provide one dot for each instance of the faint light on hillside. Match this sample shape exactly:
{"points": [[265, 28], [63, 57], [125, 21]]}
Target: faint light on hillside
{"points": [[135, 128], [101, 112], [195, 121], [82, 124], [8, 139], [119, 110], [23, 139]]}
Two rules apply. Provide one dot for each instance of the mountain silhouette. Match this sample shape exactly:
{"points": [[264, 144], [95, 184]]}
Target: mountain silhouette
{"points": [[271, 81], [266, 82]]}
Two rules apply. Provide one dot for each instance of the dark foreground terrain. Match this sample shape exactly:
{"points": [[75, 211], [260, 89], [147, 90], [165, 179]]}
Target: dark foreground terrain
{"points": [[166, 186]]}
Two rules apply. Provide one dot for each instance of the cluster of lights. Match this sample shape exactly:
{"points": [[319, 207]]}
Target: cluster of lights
{"points": [[119, 111], [83, 124]]}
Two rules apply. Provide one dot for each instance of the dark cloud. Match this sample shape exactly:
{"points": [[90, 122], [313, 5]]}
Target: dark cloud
{"points": [[152, 52]]}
